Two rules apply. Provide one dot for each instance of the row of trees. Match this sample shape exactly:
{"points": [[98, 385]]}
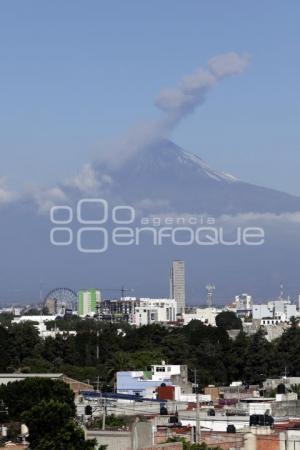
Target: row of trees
{"points": [[218, 359]]}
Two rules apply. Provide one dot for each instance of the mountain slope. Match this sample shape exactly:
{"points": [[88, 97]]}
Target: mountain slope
{"points": [[158, 179], [164, 174]]}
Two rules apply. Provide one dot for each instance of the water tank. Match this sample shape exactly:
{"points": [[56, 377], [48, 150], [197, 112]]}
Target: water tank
{"points": [[281, 389], [24, 430]]}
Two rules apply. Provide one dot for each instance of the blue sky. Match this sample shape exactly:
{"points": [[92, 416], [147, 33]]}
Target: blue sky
{"points": [[75, 74]]}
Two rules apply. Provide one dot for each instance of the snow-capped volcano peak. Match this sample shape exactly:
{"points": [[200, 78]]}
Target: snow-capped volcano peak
{"points": [[218, 176], [165, 174]]}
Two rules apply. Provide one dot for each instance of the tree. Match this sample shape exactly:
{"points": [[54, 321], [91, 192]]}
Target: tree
{"points": [[51, 426], [23, 338], [296, 389], [287, 352], [6, 318], [229, 321], [4, 349], [258, 358], [21, 396]]}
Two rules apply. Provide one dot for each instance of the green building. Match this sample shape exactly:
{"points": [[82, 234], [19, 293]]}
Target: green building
{"points": [[87, 301]]}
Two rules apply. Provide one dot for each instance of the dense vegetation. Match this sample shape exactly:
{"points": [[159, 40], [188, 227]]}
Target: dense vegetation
{"points": [[229, 321], [218, 359], [47, 408]]}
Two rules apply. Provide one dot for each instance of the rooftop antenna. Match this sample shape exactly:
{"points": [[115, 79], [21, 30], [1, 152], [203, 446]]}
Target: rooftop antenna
{"points": [[281, 295], [41, 291], [210, 291]]}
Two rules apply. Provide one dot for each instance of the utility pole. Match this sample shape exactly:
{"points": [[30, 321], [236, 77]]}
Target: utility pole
{"points": [[97, 348], [198, 427], [104, 414], [98, 383]]}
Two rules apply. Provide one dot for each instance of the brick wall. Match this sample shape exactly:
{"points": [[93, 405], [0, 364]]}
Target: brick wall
{"points": [[171, 446], [265, 442]]}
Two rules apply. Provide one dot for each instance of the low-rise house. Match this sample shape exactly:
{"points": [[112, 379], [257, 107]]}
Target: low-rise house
{"points": [[145, 383]]}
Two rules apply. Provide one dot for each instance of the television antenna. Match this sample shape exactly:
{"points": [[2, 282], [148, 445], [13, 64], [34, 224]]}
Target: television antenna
{"points": [[210, 288]]}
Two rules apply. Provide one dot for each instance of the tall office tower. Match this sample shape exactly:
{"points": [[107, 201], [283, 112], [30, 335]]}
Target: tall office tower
{"points": [[177, 285], [88, 301]]}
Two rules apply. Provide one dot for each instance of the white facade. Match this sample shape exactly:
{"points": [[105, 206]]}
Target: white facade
{"points": [[161, 372], [154, 310], [260, 311], [145, 383], [243, 302], [36, 319], [205, 315], [40, 324], [217, 423], [177, 285], [6, 378], [275, 311]]}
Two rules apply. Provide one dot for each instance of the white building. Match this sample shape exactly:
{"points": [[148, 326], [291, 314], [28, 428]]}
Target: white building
{"points": [[153, 310], [177, 285], [162, 372], [145, 383], [37, 319], [40, 324], [261, 311], [274, 312], [205, 315], [140, 311], [241, 306], [243, 303]]}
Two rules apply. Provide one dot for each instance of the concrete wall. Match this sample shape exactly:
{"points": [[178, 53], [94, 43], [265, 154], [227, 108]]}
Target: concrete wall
{"points": [[142, 435], [171, 446], [115, 440], [282, 409], [290, 440], [246, 441]]}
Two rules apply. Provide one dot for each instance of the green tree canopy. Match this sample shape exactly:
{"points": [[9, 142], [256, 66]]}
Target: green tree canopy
{"points": [[229, 321], [21, 396], [51, 426]]}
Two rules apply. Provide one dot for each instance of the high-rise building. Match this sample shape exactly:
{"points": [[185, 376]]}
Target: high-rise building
{"points": [[51, 305], [87, 302], [177, 285]]}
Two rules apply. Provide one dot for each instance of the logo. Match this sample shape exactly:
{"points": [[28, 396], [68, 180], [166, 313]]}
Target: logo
{"points": [[119, 226]]}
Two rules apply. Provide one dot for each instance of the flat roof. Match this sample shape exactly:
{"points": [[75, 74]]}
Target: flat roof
{"points": [[31, 375]]}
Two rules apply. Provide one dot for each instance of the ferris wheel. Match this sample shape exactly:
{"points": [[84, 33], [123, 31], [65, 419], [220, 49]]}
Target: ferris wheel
{"points": [[59, 300]]}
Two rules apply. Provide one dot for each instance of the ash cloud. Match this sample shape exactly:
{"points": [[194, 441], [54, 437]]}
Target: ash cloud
{"points": [[176, 103], [192, 90]]}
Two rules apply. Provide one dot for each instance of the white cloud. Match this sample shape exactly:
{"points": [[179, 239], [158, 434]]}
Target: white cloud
{"points": [[47, 198], [88, 181], [6, 196]]}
